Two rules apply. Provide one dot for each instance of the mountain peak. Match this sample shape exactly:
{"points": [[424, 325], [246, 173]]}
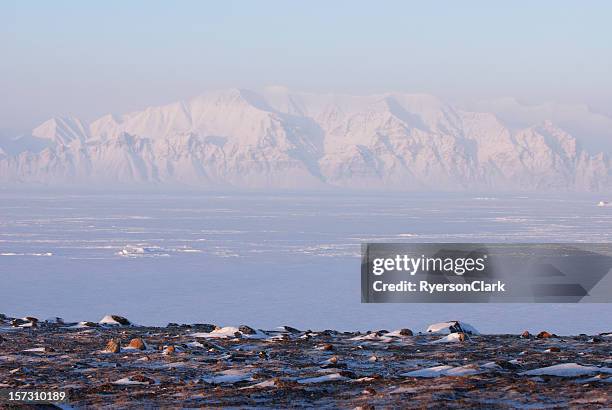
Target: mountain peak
{"points": [[63, 130]]}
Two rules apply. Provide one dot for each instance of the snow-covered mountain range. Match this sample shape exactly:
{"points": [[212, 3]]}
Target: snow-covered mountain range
{"points": [[276, 139]]}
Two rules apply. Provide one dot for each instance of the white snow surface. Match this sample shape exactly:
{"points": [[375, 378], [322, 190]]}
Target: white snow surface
{"points": [[108, 320], [445, 327], [323, 379], [451, 338], [229, 332], [126, 381]]}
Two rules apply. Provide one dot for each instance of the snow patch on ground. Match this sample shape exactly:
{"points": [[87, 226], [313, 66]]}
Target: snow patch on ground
{"points": [[230, 376], [323, 379], [567, 370]]}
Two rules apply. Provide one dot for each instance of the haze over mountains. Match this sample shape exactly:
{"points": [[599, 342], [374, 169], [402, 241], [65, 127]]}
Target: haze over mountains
{"points": [[276, 139]]}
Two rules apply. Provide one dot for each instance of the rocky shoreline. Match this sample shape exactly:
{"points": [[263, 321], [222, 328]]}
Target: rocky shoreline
{"points": [[115, 364]]}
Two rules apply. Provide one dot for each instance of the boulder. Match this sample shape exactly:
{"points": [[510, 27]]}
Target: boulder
{"points": [[137, 343], [525, 335], [405, 332], [18, 322], [453, 326], [140, 378], [113, 346], [290, 329], [114, 320], [204, 327], [544, 335], [244, 329]]}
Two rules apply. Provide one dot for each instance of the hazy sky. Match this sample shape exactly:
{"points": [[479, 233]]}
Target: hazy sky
{"points": [[87, 59]]}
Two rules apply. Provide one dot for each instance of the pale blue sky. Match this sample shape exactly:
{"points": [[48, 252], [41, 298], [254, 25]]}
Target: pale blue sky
{"points": [[87, 59]]}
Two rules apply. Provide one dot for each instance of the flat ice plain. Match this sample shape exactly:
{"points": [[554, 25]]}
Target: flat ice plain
{"points": [[268, 259]]}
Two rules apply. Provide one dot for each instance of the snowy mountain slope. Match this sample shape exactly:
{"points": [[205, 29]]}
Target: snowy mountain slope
{"points": [[278, 139]]}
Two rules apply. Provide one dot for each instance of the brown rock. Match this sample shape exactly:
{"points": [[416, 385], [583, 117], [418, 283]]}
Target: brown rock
{"points": [[461, 336], [554, 349], [544, 335], [327, 346], [525, 335], [169, 350], [113, 346], [142, 379], [405, 332], [137, 343]]}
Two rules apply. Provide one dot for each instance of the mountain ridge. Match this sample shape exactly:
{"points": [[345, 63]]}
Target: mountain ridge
{"points": [[276, 139]]}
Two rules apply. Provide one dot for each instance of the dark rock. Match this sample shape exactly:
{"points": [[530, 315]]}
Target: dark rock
{"points": [[291, 329], [247, 330], [121, 320], [327, 347], [554, 349], [172, 324], [504, 364], [18, 322], [205, 327], [525, 335], [406, 332]]}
